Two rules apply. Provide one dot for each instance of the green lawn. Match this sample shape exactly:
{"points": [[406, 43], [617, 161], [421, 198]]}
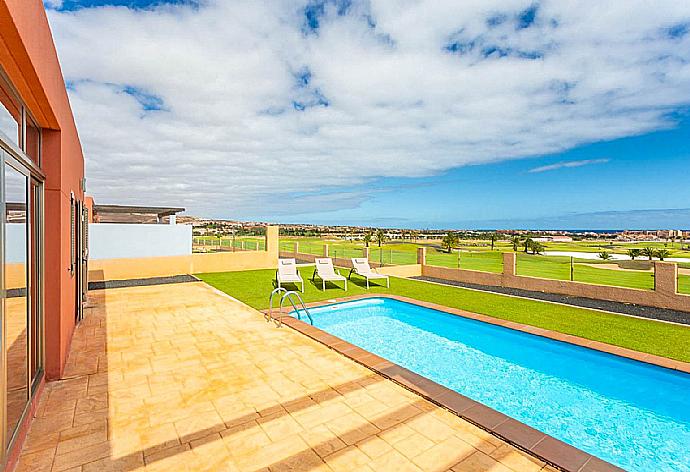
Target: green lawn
{"points": [[554, 267], [663, 339], [486, 261], [477, 255]]}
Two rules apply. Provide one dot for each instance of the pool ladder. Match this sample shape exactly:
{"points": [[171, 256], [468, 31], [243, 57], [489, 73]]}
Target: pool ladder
{"points": [[286, 296]]}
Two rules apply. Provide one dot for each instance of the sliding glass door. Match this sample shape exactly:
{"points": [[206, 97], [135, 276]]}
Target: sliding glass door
{"points": [[21, 262], [17, 295], [22, 197]]}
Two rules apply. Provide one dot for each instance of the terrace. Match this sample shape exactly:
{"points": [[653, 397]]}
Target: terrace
{"points": [[190, 376], [181, 377]]}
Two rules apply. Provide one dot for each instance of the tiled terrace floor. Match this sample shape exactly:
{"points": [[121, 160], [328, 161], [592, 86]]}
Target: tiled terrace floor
{"points": [[178, 377]]}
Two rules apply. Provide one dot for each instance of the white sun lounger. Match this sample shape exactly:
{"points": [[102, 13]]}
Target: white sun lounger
{"points": [[325, 271], [360, 266], [287, 273]]}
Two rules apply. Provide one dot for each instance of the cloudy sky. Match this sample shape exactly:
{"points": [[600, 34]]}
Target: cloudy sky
{"points": [[416, 113]]}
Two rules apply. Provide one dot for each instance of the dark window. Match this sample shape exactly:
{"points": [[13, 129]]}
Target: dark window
{"points": [[33, 141]]}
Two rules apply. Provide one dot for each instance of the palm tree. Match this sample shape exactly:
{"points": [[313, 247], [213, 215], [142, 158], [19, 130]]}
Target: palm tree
{"points": [[449, 241], [528, 243], [414, 234], [648, 252], [516, 242], [380, 237], [494, 238], [633, 253], [367, 239], [604, 255], [662, 253]]}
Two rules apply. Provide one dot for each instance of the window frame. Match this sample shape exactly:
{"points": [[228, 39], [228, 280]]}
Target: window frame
{"points": [[14, 155], [24, 115]]}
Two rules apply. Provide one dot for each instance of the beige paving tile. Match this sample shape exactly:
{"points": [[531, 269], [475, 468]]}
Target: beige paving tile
{"points": [[394, 461], [40, 461], [443, 455], [347, 459], [374, 446], [177, 377], [414, 445], [322, 440], [516, 460], [480, 462]]}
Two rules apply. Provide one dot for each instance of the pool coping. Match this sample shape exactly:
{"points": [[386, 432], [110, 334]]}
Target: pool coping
{"points": [[543, 446]]}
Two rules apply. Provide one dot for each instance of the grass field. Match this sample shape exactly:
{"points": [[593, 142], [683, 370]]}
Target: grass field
{"points": [[663, 339], [248, 243], [616, 247], [475, 255]]}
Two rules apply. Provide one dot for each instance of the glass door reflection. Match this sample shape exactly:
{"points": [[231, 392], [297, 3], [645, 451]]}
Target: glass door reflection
{"points": [[16, 301]]}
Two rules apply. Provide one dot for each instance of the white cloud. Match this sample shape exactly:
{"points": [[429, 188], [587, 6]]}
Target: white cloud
{"points": [[568, 164], [230, 141]]}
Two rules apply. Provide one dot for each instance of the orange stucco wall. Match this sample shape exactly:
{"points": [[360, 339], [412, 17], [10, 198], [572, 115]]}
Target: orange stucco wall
{"points": [[88, 202], [28, 56], [29, 59]]}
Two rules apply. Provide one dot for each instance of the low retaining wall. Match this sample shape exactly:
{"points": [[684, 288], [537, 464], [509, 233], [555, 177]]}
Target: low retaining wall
{"points": [[663, 296], [119, 240], [147, 267]]}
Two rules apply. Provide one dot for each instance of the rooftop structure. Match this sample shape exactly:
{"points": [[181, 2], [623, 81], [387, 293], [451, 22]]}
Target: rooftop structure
{"points": [[134, 214]]}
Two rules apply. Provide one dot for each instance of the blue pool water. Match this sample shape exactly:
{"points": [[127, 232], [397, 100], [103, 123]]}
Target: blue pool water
{"points": [[629, 413]]}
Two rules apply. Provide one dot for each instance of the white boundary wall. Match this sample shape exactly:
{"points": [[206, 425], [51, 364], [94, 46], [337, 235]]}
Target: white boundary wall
{"points": [[116, 240]]}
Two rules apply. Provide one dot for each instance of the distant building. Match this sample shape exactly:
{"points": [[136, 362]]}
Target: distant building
{"points": [[553, 239]]}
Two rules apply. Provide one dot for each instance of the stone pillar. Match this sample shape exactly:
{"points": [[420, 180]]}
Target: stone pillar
{"points": [[666, 277], [272, 241], [421, 255], [325, 250], [509, 259], [296, 248], [365, 252]]}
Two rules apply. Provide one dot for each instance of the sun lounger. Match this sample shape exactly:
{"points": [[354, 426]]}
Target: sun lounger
{"points": [[325, 271], [287, 273], [360, 266]]}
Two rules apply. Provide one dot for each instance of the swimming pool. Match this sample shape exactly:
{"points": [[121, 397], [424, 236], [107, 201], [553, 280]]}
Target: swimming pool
{"points": [[632, 414]]}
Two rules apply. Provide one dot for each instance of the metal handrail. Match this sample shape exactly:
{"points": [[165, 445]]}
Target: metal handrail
{"points": [[289, 295], [269, 315]]}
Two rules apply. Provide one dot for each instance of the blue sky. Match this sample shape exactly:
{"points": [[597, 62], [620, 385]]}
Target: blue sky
{"points": [[483, 113], [71, 5], [616, 178]]}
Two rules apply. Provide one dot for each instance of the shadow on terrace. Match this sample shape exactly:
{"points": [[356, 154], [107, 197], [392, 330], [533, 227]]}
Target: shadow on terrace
{"points": [[179, 377]]}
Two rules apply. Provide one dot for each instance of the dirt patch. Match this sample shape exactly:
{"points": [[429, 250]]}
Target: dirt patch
{"points": [[615, 267], [625, 269]]}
